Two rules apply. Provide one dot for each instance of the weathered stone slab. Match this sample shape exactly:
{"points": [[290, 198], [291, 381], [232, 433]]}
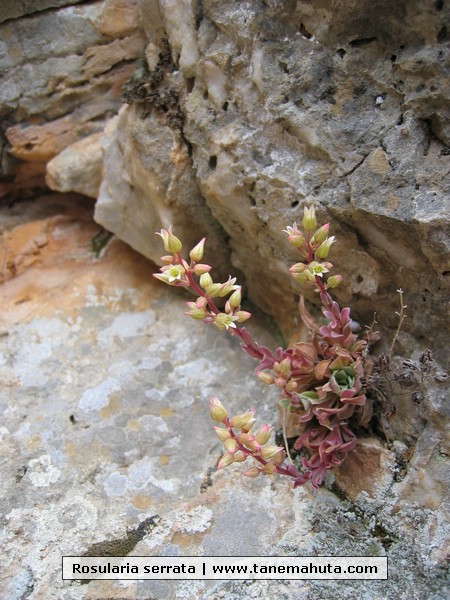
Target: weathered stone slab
{"points": [[107, 445]]}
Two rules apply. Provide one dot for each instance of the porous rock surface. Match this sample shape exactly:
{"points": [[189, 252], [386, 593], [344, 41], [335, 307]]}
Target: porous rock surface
{"points": [[254, 109], [107, 446]]}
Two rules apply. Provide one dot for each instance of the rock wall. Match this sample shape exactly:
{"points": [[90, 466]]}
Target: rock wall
{"points": [[242, 113], [254, 109], [63, 65]]}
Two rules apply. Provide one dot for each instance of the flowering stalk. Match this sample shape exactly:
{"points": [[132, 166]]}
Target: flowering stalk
{"points": [[320, 381], [178, 272], [241, 443]]}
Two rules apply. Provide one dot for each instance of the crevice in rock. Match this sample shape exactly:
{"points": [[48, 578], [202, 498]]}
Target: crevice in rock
{"points": [[43, 11], [199, 15], [360, 42], [358, 164]]}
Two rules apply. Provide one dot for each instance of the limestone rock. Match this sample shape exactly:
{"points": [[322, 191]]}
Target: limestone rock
{"points": [[283, 104], [108, 446], [142, 191], [78, 168], [368, 468], [62, 72]]}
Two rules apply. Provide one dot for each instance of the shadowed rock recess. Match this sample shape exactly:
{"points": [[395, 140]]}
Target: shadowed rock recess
{"points": [[223, 118]]}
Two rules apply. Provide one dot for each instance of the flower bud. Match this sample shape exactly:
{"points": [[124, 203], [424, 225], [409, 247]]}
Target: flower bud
{"points": [[265, 378], [222, 434], [206, 280], [196, 253], [269, 469], [321, 234], [324, 248], [231, 445], [245, 438], [217, 410], [226, 460], [297, 268], [279, 457], [283, 368], [235, 298], [200, 269], [213, 290], [168, 259], [242, 420], [334, 281], [263, 434], [240, 456], [252, 472], [171, 242], [295, 236], [269, 452], [242, 315], [309, 221], [196, 313], [301, 277]]}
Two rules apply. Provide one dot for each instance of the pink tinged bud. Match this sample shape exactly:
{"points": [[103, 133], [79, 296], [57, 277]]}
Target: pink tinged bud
{"points": [[269, 452], [231, 445], [279, 457], [301, 277], [168, 259], [226, 460], [263, 434], [334, 281], [269, 469], [297, 240], [197, 313], [217, 410], [248, 427], [235, 298], [252, 472], [324, 248], [206, 280], [309, 221], [249, 441], [321, 234], [240, 456], [222, 434], [295, 236], [201, 302], [170, 241], [242, 315], [266, 378], [196, 253], [239, 421], [201, 269], [283, 368], [297, 268]]}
